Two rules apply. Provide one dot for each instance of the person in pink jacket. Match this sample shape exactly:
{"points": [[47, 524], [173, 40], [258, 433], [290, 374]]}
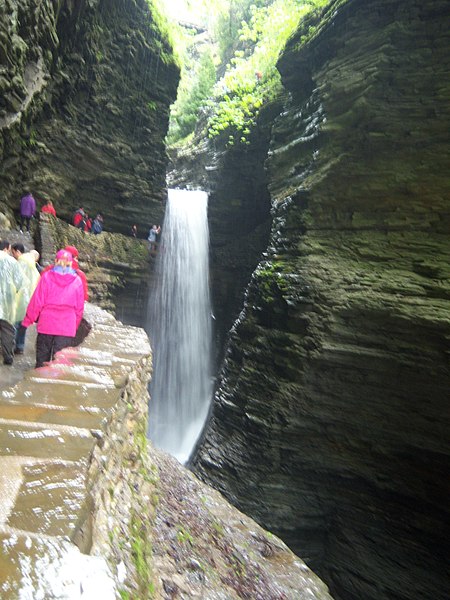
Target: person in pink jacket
{"points": [[57, 306]]}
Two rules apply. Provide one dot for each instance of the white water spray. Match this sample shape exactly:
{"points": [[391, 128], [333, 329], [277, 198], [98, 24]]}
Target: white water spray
{"points": [[180, 327]]}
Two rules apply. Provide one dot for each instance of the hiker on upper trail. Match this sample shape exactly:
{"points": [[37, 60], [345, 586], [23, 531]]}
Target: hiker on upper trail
{"points": [[97, 224], [11, 281], [79, 218], [27, 210], [49, 208], [152, 236], [57, 305]]}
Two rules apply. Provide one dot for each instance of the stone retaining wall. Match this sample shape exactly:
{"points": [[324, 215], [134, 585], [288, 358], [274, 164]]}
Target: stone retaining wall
{"points": [[71, 441]]}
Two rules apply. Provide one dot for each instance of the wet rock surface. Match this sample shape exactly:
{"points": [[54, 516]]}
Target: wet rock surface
{"points": [[329, 426], [84, 109], [205, 548], [88, 508], [42, 567]]}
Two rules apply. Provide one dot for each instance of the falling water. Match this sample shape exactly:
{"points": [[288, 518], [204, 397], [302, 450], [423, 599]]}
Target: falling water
{"points": [[180, 327]]}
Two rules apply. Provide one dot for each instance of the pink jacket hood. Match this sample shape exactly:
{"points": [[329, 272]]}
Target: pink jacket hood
{"points": [[57, 304]]}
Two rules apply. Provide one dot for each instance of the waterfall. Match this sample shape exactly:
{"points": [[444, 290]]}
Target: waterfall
{"points": [[179, 325]]}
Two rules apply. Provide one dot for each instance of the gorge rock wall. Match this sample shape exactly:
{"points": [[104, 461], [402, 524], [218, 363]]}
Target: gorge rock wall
{"points": [[86, 88], [331, 422]]}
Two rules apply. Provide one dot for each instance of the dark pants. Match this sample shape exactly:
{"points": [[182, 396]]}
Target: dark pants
{"points": [[48, 345], [7, 334], [27, 221], [20, 336]]}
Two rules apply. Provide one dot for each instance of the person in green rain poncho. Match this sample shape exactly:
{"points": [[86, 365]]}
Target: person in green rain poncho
{"points": [[11, 281], [27, 262]]}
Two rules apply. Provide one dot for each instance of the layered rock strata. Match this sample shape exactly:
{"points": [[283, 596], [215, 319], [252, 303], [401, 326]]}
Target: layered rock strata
{"points": [[331, 423], [85, 95]]}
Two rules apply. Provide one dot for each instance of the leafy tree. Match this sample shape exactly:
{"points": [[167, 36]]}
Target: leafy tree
{"points": [[247, 38], [185, 112], [251, 78]]}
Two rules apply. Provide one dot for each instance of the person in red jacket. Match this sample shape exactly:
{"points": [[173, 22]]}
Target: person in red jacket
{"points": [[57, 306], [49, 208], [74, 252], [79, 218]]}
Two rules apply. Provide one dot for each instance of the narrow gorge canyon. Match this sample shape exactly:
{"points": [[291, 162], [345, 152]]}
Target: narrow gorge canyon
{"points": [[330, 259]]}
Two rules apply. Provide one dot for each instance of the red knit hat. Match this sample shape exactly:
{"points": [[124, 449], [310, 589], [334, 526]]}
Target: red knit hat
{"points": [[73, 251]]}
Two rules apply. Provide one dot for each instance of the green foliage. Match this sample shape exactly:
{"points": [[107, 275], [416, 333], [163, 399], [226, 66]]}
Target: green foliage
{"points": [[31, 140], [218, 528], [184, 536], [163, 30], [251, 78], [192, 97], [141, 551], [228, 23], [248, 37], [271, 284]]}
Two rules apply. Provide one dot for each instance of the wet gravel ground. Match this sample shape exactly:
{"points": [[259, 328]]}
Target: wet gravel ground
{"points": [[205, 548]]}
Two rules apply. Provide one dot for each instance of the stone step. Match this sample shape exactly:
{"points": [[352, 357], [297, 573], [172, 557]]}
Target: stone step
{"points": [[52, 499], [58, 403], [34, 566], [43, 441]]}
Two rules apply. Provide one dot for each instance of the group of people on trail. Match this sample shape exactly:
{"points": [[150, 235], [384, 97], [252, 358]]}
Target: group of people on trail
{"points": [[82, 220], [54, 299], [152, 237], [28, 210]]}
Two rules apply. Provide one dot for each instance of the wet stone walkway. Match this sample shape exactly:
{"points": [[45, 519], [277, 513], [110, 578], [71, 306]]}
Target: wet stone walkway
{"points": [[51, 422]]}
